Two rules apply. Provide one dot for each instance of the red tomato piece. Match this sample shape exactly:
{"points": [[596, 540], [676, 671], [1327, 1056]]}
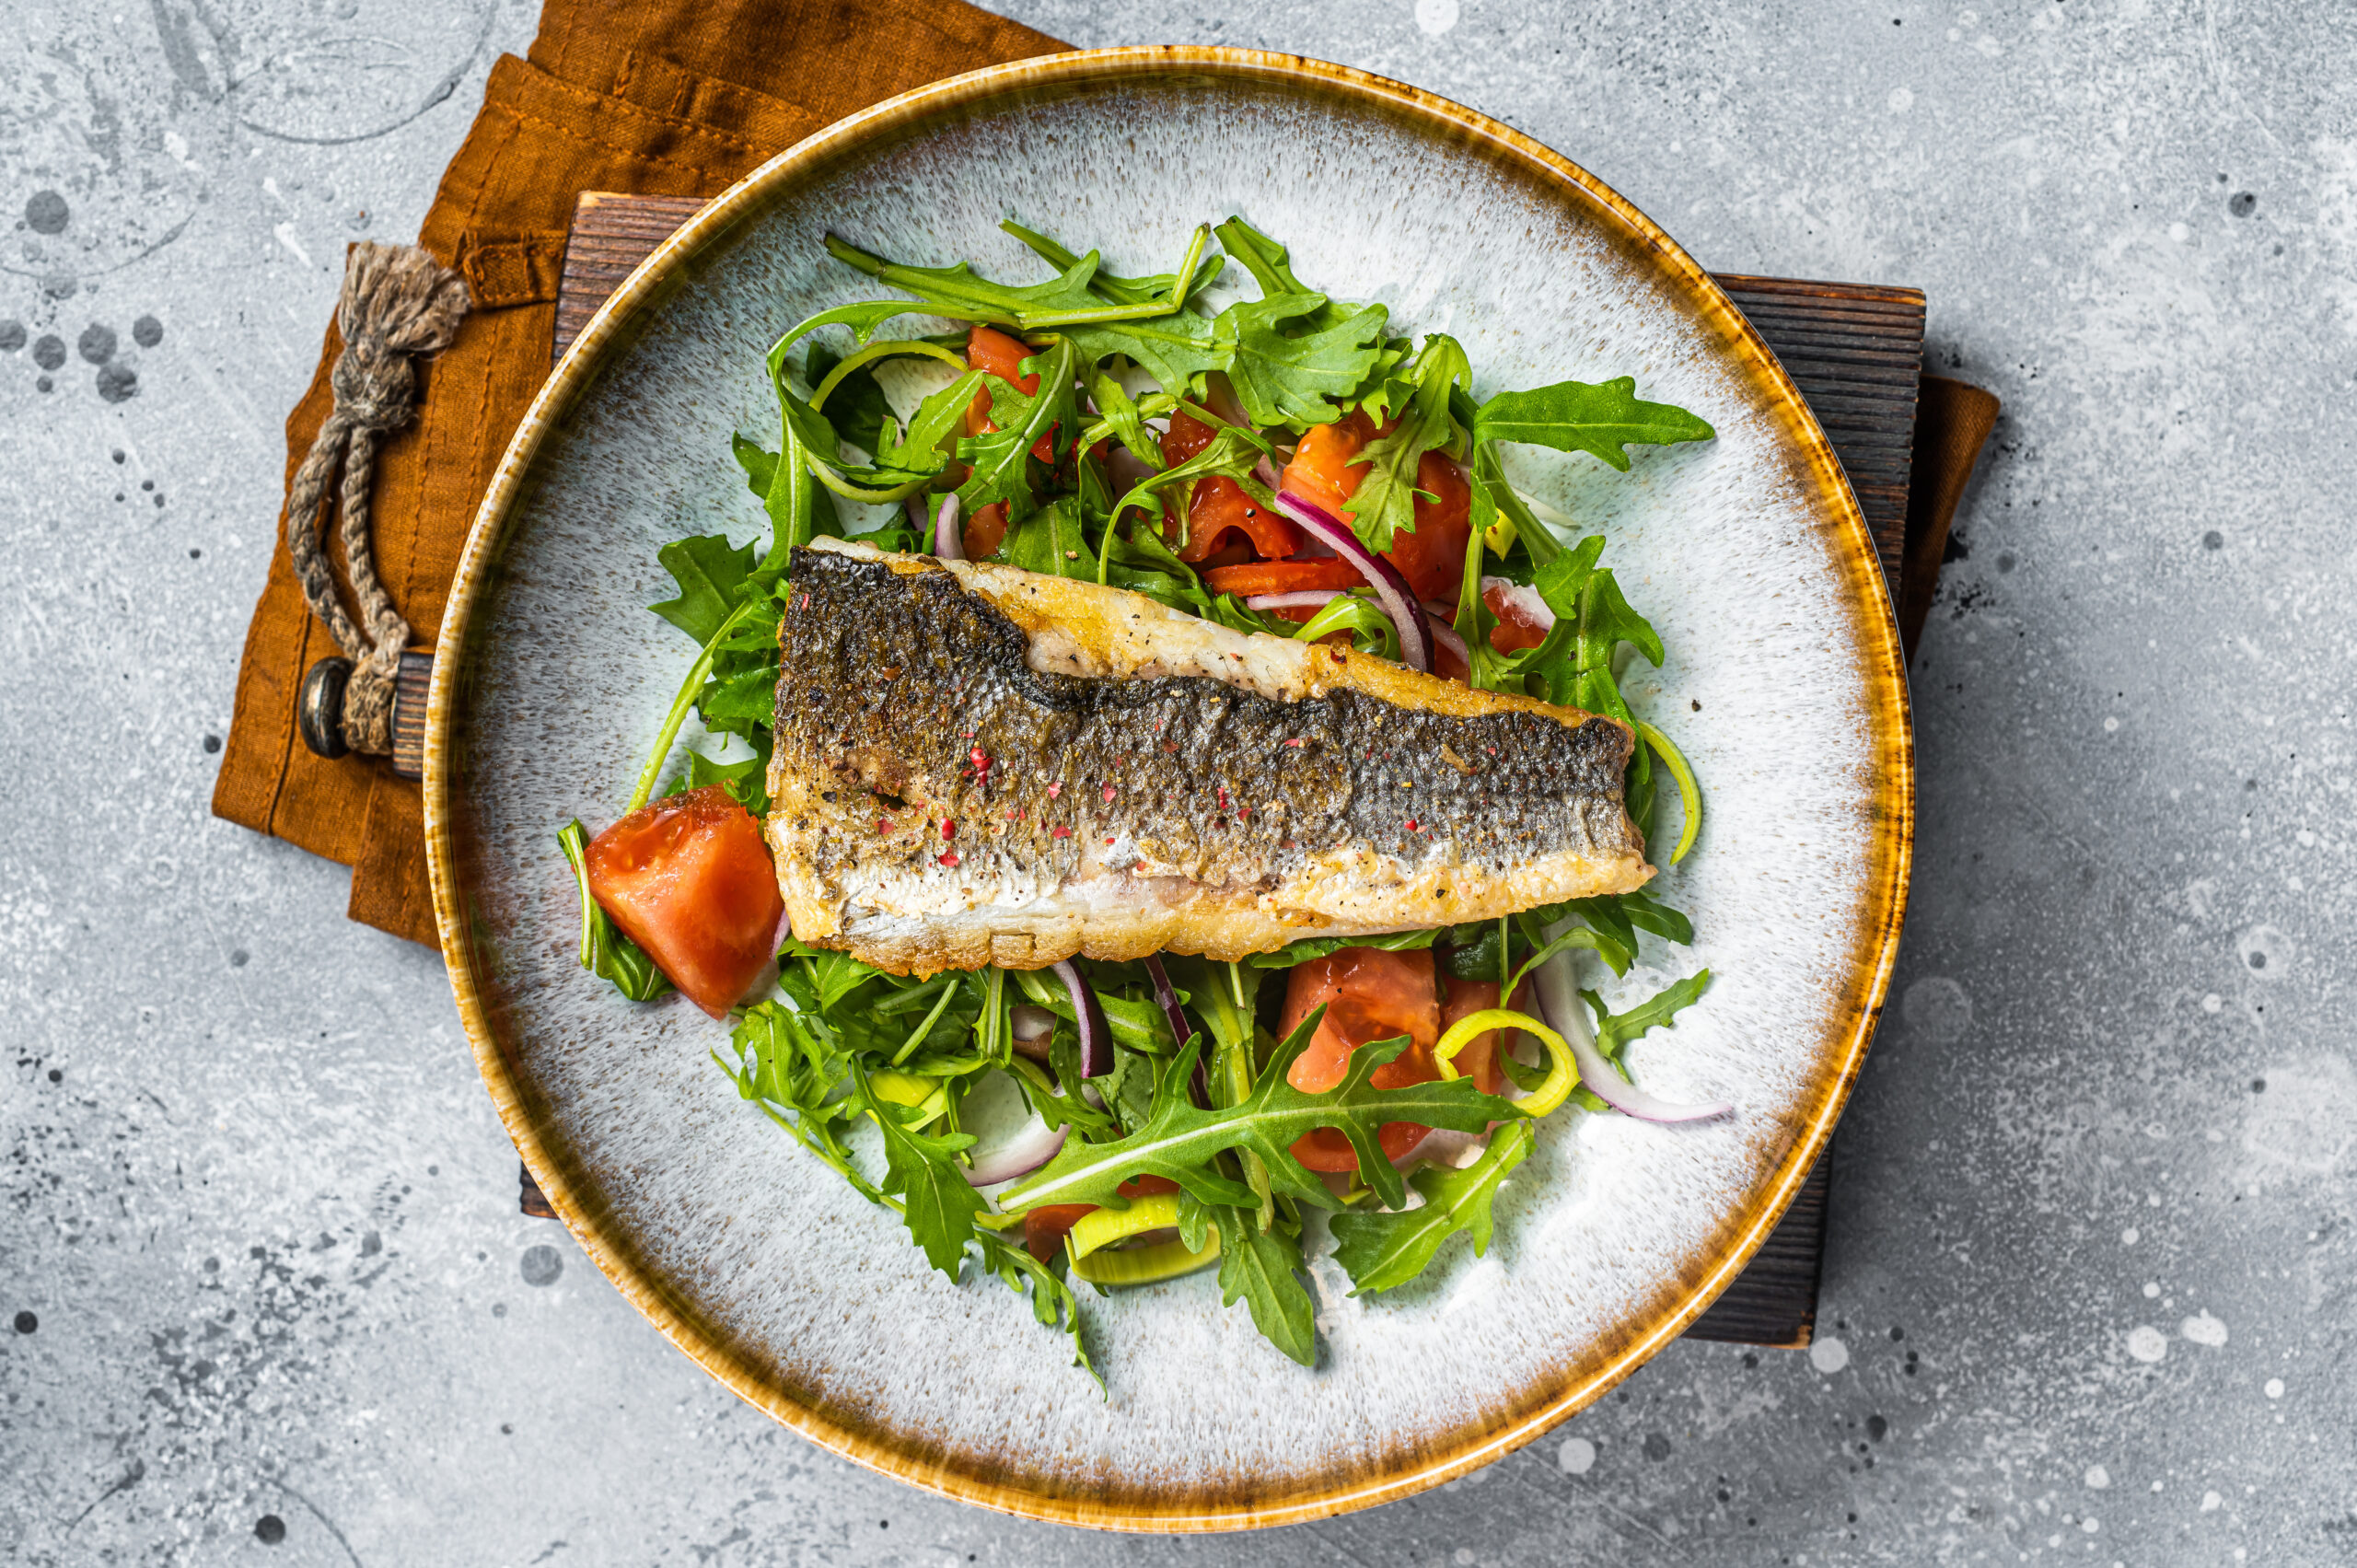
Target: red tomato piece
{"points": [[1044, 1229], [1432, 556], [1323, 573], [689, 879], [1326, 469], [1369, 994], [1515, 628], [984, 532], [989, 349], [1218, 507]]}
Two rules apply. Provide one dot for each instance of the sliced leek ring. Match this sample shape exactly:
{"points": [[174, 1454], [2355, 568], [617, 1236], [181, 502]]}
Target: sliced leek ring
{"points": [[1146, 1265], [1558, 1084]]}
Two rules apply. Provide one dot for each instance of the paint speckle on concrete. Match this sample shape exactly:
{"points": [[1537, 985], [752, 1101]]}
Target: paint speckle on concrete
{"points": [[1827, 1355], [1937, 1008], [46, 212], [2147, 1343], [1575, 1455], [2204, 1330]]}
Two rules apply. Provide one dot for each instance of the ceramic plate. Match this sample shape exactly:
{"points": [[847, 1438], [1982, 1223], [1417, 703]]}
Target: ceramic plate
{"points": [[1783, 684]]}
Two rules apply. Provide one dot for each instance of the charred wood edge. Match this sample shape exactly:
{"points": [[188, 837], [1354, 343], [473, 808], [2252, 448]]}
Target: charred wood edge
{"points": [[1856, 353]]}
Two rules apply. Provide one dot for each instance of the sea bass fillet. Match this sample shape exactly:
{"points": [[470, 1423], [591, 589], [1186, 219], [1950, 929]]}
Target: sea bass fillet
{"points": [[977, 764]]}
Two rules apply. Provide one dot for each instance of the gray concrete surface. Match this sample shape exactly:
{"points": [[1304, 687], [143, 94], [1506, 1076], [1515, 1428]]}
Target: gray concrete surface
{"points": [[2089, 1293]]}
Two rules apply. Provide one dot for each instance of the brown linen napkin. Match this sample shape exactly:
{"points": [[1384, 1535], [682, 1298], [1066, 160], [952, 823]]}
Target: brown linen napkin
{"points": [[657, 96]]}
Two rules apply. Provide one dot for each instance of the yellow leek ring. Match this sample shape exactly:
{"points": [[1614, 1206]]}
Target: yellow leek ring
{"points": [[1102, 1227], [1564, 1072]]}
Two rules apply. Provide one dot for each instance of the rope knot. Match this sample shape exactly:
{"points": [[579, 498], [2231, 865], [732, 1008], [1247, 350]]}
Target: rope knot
{"points": [[398, 303]]}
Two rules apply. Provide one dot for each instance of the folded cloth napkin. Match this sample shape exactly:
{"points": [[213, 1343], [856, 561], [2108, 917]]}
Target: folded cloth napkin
{"points": [[677, 98], [657, 96]]}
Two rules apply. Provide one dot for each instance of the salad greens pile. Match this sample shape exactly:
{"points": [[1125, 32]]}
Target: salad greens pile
{"points": [[1197, 1093]]}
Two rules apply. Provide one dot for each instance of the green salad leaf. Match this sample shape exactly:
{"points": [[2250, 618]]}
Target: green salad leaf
{"points": [[1385, 501], [1384, 1251], [1179, 1139], [1296, 380], [605, 951], [1262, 1269], [1602, 418]]}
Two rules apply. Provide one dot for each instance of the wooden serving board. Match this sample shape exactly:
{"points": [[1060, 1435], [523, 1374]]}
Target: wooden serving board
{"points": [[1856, 353]]}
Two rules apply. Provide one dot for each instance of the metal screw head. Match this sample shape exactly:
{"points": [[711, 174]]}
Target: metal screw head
{"points": [[319, 707]]}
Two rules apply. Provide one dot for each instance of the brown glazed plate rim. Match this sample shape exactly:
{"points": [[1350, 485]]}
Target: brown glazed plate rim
{"points": [[1862, 990]]}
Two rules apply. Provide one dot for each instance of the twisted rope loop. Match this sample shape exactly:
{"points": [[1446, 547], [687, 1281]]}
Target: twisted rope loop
{"points": [[398, 301]]}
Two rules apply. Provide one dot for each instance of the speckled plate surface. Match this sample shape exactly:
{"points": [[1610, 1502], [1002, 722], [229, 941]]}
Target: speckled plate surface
{"points": [[1784, 685]]}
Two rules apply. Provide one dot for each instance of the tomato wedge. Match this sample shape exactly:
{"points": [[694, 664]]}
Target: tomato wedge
{"points": [[1516, 629], [1432, 556], [1319, 574], [1326, 471], [689, 879], [984, 532], [989, 349], [1218, 506], [1044, 1228], [1369, 994]]}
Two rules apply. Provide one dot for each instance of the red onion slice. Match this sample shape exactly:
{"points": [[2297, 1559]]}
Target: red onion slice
{"points": [[1446, 637], [1096, 1035], [1305, 598], [948, 541], [1391, 589], [1013, 1140], [1180, 1030], [1559, 1002], [1030, 1148]]}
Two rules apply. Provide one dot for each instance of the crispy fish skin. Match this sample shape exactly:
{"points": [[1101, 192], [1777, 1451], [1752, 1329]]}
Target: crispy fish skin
{"points": [[980, 765]]}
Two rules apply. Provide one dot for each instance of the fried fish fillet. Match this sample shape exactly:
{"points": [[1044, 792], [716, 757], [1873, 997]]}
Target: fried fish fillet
{"points": [[977, 763]]}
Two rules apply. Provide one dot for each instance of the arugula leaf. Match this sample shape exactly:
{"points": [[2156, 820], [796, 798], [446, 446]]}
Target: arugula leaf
{"points": [[1385, 501], [1179, 1140], [1176, 350], [1615, 1030], [1266, 261], [1576, 416], [743, 779], [1232, 453], [1050, 541], [1308, 947], [1053, 1302], [1260, 1267], [922, 1167], [605, 951], [1645, 913], [1296, 381], [1118, 290], [1115, 408], [1384, 1252], [924, 447], [711, 573], [1000, 457], [963, 295], [862, 319], [833, 975], [857, 407]]}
